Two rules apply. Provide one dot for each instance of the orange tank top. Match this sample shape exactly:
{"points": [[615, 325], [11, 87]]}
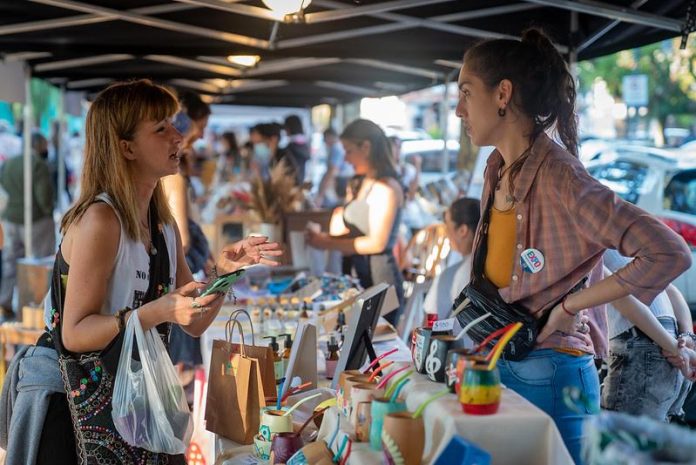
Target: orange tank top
{"points": [[501, 247]]}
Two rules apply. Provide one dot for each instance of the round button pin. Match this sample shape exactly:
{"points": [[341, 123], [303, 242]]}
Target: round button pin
{"points": [[532, 260]]}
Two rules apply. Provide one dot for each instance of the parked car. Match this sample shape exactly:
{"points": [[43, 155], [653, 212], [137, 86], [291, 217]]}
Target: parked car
{"points": [[430, 152], [660, 182]]}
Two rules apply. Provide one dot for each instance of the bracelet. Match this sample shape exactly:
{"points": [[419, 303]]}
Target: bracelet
{"points": [[214, 273], [688, 334], [121, 317], [565, 309]]}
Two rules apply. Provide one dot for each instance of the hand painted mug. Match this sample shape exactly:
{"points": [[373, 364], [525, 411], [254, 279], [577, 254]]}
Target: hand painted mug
{"points": [[479, 390], [273, 422], [436, 358], [403, 438], [314, 453], [363, 419], [454, 365], [421, 343], [362, 393], [381, 408]]}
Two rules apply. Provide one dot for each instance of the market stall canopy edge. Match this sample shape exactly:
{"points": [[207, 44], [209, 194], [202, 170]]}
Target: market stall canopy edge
{"points": [[337, 51]]}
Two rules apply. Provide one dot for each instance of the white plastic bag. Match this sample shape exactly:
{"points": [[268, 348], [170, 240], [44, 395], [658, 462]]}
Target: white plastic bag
{"points": [[149, 407]]}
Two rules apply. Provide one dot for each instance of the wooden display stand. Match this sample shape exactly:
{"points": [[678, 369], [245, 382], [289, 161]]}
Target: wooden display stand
{"points": [[226, 229]]}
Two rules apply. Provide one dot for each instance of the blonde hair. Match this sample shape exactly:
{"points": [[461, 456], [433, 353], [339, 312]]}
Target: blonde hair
{"points": [[114, 116]]}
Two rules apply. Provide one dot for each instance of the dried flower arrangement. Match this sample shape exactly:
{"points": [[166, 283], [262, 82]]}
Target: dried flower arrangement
{"points": [[274, 197]]}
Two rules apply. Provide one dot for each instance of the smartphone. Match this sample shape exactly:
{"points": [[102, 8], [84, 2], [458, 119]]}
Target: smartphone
{"points": [[222, 284]]}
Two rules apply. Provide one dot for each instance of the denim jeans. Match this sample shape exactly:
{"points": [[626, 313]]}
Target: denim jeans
{"points": [[640, 381], [541, 377]]}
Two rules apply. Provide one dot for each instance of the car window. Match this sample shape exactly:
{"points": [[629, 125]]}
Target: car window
{"points": [[623, 177], [680, 193], [432, 160]]}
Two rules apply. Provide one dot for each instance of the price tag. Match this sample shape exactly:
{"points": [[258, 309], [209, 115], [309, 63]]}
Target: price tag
{"points": [[443, 325]]}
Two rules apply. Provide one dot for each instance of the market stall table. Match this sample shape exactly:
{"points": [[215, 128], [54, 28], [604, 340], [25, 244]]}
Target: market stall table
{"points": [[519, 433]]}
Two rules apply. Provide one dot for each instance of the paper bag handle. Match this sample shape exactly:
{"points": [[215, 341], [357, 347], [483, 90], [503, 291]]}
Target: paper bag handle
{"points": [[233, 317], [233, 323]]}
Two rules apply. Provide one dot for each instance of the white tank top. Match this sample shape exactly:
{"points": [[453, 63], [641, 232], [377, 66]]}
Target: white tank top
{"points": [[129, 281]]}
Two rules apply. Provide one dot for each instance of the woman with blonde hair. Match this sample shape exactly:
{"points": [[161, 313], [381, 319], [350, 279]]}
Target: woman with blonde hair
{"points": [[120, 251]]}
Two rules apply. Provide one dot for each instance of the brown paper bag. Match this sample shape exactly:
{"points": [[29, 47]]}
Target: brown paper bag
{"points": [[264, 355], [235, 394]]}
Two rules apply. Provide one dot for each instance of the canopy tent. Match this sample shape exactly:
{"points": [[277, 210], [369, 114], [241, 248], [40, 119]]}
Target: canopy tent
{"points": [[337, 51], [334, 51]]}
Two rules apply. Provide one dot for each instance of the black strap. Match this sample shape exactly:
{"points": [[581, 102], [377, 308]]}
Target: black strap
{"points": [[158, 286]]}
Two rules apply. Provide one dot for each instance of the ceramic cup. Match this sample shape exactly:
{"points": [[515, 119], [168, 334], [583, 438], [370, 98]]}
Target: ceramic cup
{"points": [[284, 446], [363, 418], [348, 390], [342, 395], [453, 367], [403, 438], [380, 408], [436, 357], [362, 393], [421, 342], [314, 453], [479, 390], [262, 447], [274, 422]]}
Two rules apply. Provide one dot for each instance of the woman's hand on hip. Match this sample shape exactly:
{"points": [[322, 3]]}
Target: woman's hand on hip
{"points": [[560, 320]]}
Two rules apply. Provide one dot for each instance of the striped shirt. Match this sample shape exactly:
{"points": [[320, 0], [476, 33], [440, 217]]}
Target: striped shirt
{"points": [[571, 219]]}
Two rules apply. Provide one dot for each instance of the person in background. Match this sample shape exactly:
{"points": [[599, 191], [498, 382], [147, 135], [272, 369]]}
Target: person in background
{"points": [[366, 228], [43, 238], [409, 170], [334, 183], [230, 161], [184, 349], [640, 381], [266, 140], [297, 152], [461, 220], [546, 224]]}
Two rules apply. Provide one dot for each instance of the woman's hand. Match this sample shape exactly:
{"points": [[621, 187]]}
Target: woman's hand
{"points": [[183, 306], [560, 320], [684, 359], [317, 239], [250, 251]]}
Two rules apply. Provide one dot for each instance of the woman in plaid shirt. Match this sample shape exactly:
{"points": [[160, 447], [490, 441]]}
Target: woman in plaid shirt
{"points": [[550, 222]]}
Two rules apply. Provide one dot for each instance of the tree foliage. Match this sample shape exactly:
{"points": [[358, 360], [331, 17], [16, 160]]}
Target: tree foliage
{"points": [[670, 71]]}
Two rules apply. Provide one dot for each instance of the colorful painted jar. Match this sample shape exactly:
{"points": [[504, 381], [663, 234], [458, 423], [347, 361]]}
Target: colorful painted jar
{"points": [[479, 390]]}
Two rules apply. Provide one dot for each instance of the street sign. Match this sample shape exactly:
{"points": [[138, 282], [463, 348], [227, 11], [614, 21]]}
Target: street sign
{"points": [[635, 90]]}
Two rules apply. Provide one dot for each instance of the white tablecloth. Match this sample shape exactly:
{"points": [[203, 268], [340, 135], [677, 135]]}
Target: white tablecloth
{"points": [[518, 434]]}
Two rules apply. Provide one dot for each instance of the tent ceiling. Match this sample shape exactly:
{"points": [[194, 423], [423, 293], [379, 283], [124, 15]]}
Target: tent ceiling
{"points": [[343, 50]]}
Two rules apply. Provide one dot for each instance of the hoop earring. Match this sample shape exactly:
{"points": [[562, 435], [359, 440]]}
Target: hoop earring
{"points": [[501, 112]]}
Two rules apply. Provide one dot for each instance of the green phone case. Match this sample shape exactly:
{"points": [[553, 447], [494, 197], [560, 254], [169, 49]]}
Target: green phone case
{"points": [[223, 283]]}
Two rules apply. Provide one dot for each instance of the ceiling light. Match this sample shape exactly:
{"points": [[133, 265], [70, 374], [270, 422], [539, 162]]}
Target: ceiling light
{"points": [[248, 61], [287, 7]]}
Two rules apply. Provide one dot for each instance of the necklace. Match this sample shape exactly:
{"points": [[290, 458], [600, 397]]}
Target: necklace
{"points": [[509, 198], [501, 172], [152, 250]]}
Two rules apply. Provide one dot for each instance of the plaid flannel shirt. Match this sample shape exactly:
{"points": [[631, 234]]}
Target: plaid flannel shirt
{"points": [[571, 219]]}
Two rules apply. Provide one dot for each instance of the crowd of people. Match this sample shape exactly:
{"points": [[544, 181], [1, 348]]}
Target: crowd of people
{"points": [[133, 239]]}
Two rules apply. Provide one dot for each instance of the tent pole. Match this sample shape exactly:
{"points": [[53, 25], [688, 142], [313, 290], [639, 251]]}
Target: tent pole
{"points": [[444, 110], [26, 138], [60, 153]]}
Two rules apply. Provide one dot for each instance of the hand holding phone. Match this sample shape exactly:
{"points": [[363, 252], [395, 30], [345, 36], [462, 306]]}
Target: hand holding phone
{"points": [[222, 283]]}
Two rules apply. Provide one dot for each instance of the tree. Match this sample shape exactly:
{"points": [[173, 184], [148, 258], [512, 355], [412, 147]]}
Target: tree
{"points": [[670, 71]]}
